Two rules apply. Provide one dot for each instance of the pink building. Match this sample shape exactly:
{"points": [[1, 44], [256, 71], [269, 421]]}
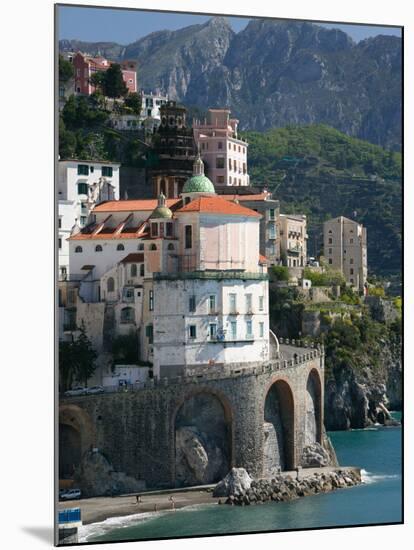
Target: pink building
{"points": [[224, 155], [85, 66]]}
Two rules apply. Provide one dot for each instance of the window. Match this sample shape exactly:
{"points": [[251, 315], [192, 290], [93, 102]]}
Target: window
{"points": [[234, 147], [352, 281], [249, 329], [141, 270], [329, 250], [83, 170], [233, 330], [153, 247], [60, 223], [330, 261], [141, 246], [134, 270], [261, 303], [188, 236], [230, 180], [129, 294], [351, 241], [230, 146], [60, 243], [98, 248], [272, 213], [330, 240], [351, 261], [120, 247], [220, 145], [192, 303], [213, 331], [203, 146], [82, 188], [248, 302], [351, 271], [151, 300], [193, 331], [272, 231], [78, 249], [230, 165], [91, 169], [149, 332], [110, 284], [170, 247], [233, 303], [220, 162], [154, 229], [82, 220], [220, 179], [261, 330], [169, 230], [212, 303]]}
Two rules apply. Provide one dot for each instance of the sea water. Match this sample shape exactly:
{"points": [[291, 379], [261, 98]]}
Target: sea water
{"points": [[376, 450]]}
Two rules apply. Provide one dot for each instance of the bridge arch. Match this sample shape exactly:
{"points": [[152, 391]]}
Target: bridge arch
{"points": [[313, 411], [76, 436], [202, 437], [279, 437]]}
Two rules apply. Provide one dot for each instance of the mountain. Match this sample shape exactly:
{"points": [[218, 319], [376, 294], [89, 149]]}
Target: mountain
{"points": [[324, 173], [273, 74]]}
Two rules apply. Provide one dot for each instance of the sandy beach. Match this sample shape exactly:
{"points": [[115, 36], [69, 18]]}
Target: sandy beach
{"points": [[101, 508]]}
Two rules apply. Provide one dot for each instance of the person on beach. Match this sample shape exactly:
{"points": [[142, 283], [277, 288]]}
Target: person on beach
{"points": [[155, 507], [139, 500], [171, 499]]}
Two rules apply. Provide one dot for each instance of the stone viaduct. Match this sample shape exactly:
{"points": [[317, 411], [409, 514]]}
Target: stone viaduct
{"points": [[259, 418]]}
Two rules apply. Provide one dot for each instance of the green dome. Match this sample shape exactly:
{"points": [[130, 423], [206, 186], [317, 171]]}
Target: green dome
{"points": [[162, 212], [198, 184]]}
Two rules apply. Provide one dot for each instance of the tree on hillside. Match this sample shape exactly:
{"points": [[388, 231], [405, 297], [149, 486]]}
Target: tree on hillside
{"points": [[84, 356], [67, 141], [133, 102], [97, 79], [81, 113], [113, 82], [66, 366], [66, 70]]}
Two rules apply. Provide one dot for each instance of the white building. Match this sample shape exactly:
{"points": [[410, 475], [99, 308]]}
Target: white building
{"points": [[345, 248], [81, 185], [293, 239], [185, 275], [151, 103], [224, 154]]}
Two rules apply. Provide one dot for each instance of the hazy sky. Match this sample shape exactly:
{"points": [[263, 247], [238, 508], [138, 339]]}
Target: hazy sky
{"points": [[126, 26]]}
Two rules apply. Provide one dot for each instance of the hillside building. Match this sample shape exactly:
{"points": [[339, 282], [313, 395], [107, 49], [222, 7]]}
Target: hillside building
{"points": [[85, 66], [345, 249], [185, 275], [293, 239], [224, 154], [81, 184]]}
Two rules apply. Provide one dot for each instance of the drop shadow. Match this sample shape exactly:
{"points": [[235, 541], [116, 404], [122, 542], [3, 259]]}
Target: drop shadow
{"points": [[44, 534]]}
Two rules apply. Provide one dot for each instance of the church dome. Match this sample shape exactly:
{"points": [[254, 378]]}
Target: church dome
{"points": [[198, 183], [162, 211]]}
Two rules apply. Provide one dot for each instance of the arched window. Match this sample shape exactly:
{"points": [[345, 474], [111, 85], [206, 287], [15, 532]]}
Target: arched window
{"points": [[120, 247], [127, 315], [110, 284], [98, 248], [134, 270], [142, 270], [78, 249], [170, 247], [141, 246], [153, 247]]}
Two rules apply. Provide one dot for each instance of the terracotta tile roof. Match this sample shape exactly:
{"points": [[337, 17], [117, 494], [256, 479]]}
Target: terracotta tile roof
{"points": [[218, 205], [110, 233], [241, 198], [132, 205], [134, 257]]}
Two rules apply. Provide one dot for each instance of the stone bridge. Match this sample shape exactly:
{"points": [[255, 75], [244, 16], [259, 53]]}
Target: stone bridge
{"points": [[193, 429]]}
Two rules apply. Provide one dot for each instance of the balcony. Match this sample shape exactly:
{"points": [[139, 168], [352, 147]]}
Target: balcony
{"points": [[232, 340], [212, 275]]}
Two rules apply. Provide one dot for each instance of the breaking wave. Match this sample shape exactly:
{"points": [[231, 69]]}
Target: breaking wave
{"points": [[369, 477]]}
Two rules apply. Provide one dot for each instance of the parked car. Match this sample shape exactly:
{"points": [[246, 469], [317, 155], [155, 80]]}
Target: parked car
{"points": [[75, 391], [94, 389], [70, 494]]}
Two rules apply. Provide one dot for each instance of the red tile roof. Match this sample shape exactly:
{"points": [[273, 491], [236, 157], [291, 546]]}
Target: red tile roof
{"points": [[134, 257], [218, 205], [132, 205], [241, 198]]}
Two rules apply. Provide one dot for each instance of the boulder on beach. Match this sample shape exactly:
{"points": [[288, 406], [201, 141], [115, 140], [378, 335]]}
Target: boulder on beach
{"points": [[236, 482]]}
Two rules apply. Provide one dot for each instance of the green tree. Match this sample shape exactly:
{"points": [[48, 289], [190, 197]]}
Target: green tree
{"points": [[125, 349], [67, 141], [97, 80], [66, 70], [84, 356], [133, 102], [113, 82], [67, 370]]}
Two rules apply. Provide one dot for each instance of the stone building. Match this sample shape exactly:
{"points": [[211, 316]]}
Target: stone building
{"points": [[173, 152], [223, 152], [293, 240], [345, 249]]}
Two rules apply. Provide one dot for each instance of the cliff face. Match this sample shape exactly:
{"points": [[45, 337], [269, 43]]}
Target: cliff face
{"points": [[360, 397], [274, 73]]}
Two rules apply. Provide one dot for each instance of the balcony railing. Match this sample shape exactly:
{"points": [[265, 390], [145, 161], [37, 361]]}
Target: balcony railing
{"points": [[212, 275]]}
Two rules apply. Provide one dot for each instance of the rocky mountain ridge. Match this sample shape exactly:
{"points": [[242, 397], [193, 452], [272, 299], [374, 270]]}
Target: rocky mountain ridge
{"points": [[273, 73]]}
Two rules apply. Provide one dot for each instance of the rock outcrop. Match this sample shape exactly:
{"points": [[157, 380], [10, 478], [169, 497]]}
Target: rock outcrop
{"points": [[236, 482], [95, 476], [314, 456]]}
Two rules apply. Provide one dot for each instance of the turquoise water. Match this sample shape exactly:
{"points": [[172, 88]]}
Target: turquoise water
{"points": [[376, 450]]}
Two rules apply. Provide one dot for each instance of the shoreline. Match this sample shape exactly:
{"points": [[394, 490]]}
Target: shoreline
{"points": [[99, 509]]}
